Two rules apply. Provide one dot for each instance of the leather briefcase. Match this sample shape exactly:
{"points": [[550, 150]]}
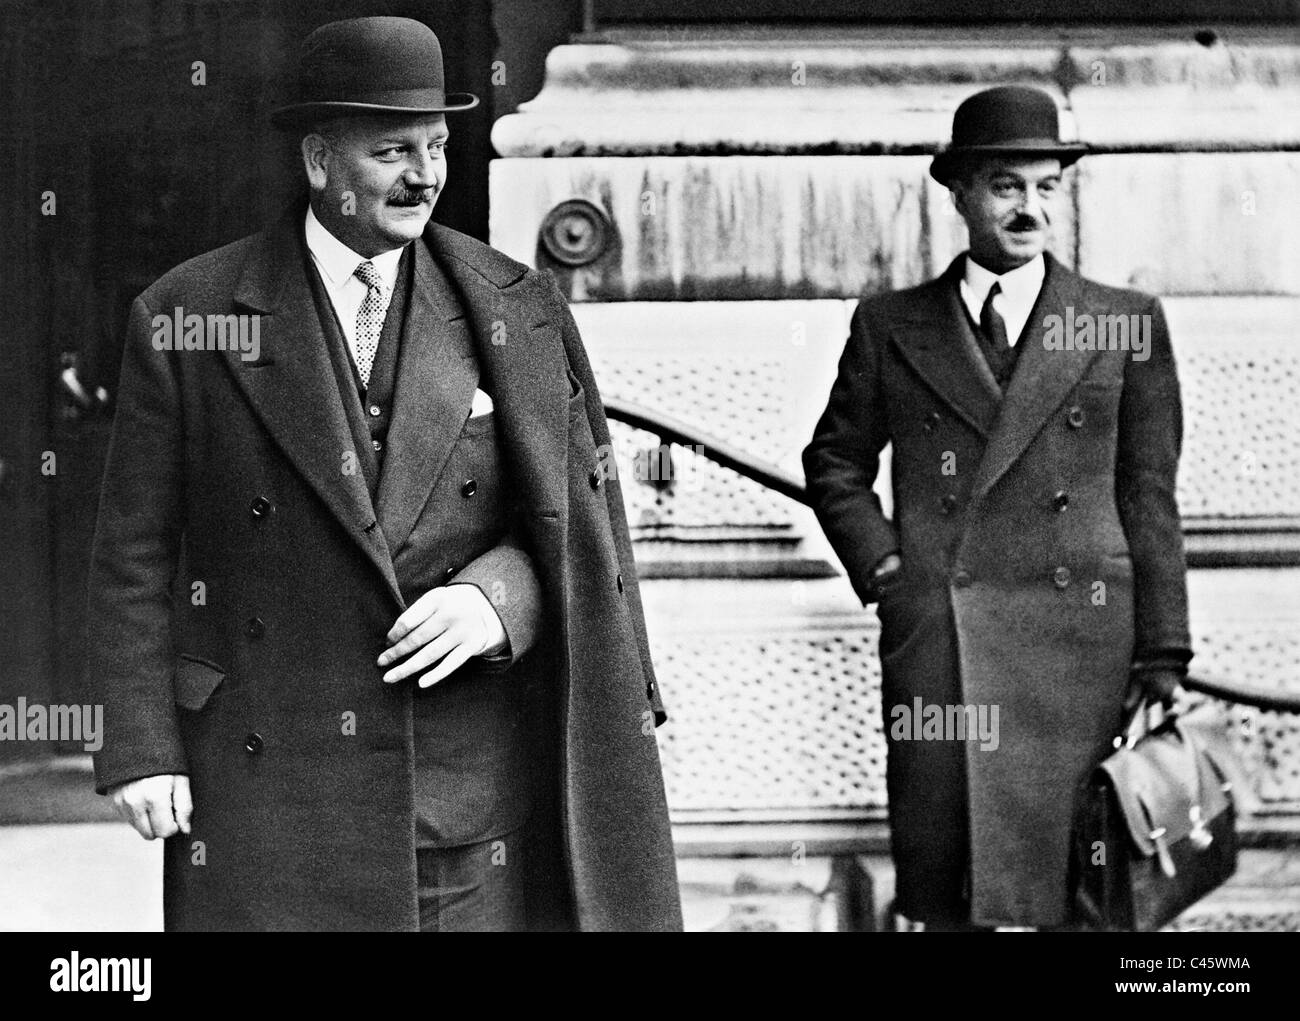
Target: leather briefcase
{"points": [[1157, 829]]}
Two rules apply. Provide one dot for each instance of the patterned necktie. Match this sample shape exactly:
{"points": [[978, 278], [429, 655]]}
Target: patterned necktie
{"points": [[995, 332], [370, 319]]}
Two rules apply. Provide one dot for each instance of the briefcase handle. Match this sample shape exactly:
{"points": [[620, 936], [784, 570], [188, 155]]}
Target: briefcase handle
{"points": [[1135, 724]]}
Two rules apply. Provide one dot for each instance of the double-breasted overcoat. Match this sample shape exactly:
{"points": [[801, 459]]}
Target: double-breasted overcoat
{"points": [[1042, 557]]}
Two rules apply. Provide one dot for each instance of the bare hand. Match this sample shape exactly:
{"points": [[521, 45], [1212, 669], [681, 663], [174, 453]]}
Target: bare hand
{"points": [[444, 627], [157, 806]]}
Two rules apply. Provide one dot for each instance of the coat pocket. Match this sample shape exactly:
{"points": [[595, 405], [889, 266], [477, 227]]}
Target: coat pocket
{"points": [[194, 681], [478, 425], [577, 395]]}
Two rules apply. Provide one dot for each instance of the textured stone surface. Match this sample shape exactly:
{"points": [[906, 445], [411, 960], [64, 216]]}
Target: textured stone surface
{"points": [[1191, 223], [750, 373], [1185, 95], [757, 375], [773, 689], [791, 93], [699, 361], [1239, 366], [890, 90], [736, 228], [741, 227]]}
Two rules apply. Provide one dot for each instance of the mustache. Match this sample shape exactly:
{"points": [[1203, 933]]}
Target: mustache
{"points": [[1023, 221], [403, 196]]}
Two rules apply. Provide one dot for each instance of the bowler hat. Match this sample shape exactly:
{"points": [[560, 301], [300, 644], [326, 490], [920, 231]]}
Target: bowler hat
{"points": [[370, 65], [1010, 120]]}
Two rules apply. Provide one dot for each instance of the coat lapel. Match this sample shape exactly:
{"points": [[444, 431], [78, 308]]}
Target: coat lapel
{"points": [[520, 350], [436, 377], [292, 386], [936, 340], [1041, 381]]}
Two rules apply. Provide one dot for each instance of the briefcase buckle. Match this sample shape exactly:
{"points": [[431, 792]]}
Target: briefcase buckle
{"points": [[1162, 852]]}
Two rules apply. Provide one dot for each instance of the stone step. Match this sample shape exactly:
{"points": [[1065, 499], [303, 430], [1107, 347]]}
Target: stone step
{"points": [[822, 894], [1263, 895], [891, 90]]}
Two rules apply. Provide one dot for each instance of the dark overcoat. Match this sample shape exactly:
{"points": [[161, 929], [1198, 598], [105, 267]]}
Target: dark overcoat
{"points": [[1042, 556], [228, 478]]}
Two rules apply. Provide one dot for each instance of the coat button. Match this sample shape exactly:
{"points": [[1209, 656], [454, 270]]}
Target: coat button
{"points": [[255, 628], [1061, 500], [1061, 577], [962, 579], [619, 581], [931, 422], [261, 507], [948, 504], [595, 478], [1075, 417], [650, 690], [253, 744], [375, 411], [378, 446], [469, 488], [450, 573]]}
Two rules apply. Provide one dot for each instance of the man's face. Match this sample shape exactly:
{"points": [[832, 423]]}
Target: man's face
{"points": [[375, 180], [1008, 205]]}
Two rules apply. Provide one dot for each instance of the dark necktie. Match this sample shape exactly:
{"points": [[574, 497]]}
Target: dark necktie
{"points": [[995, 333]]}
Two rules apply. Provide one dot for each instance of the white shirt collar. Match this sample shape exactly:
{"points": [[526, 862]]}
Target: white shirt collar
{"points": [[1020, 285], [337, 262]]}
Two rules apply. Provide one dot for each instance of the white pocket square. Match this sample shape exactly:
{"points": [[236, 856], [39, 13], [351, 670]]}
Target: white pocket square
{"points": [[481, 405]]}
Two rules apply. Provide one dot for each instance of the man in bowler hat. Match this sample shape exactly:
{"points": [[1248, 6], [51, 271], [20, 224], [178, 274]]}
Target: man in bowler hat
{"points": [[364, 615], [1034, 563]]}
